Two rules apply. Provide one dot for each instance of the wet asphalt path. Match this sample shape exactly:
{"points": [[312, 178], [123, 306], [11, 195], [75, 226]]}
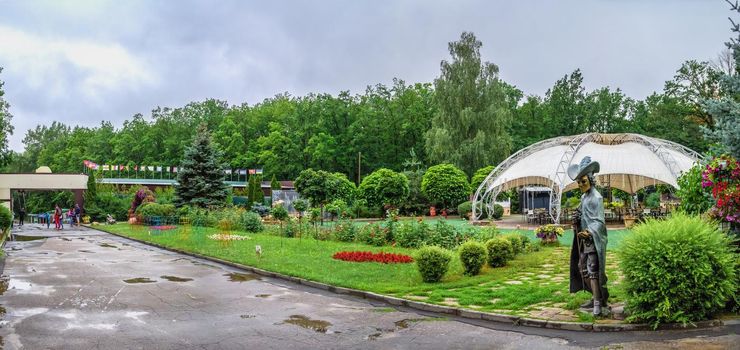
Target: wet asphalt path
{"points": [[84, 289]]}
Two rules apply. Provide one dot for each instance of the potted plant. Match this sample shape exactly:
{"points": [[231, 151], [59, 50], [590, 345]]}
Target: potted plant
{"points": [[549, 233]]}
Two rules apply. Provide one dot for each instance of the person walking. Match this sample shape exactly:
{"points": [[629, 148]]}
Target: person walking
{"points": [[57, 217], [78, 213], [21, 215]]}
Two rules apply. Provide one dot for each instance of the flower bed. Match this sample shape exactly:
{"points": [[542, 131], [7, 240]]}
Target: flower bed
{"points": [[163, 227], [227, 237], [385, 258]]}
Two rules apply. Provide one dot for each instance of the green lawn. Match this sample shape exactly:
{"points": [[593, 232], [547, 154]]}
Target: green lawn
{"points": [[531, 280]]}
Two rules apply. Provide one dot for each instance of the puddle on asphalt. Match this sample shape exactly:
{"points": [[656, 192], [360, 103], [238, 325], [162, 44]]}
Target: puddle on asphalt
{"points": [[319, 326], [66, 239], [176, 279], [241, 277], [262, 295], [22, 238], [106, 245], [85, 251], [248, 316], [139, 280]]}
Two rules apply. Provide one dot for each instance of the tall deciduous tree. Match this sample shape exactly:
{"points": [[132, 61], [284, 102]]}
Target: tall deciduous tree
{"points": [[6, 129], [470, 127], [201, 175]]}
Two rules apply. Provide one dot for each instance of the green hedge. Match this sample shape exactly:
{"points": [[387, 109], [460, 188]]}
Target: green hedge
{"points": [[677, 270]]}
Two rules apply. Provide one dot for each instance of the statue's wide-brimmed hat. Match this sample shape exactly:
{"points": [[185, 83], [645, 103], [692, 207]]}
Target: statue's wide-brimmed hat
{"points": [[576, 171]]}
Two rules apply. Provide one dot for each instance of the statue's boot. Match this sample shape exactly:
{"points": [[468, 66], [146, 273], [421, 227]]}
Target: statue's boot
{"points": [[588, 304], [596, 290]]}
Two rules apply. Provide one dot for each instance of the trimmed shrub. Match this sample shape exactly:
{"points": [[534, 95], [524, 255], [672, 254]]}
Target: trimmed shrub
{"points": [[677, 270], [252, 222], [6, 218], [345, 231], [411, 234], [433, 263], [500, 251], [472, 256], [498, 211], [516, 243], [465, 209], [156, 209]]}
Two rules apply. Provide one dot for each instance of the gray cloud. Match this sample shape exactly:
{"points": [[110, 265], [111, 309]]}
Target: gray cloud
{"points": [[93, 61]]}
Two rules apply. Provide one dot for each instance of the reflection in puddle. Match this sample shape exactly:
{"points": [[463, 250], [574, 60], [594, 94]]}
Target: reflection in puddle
{"points": [[106, 245], [85, 251], [305, 322], [176, 279], [241, 277], [22, 238], [262, 295], [139, 280]]}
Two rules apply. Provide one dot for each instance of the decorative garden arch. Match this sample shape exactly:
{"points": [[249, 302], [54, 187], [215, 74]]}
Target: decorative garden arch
{"points": [[628, 162]]}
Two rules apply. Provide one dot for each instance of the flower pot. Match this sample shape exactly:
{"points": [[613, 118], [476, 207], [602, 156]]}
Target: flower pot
{"points": [[629, 221]]}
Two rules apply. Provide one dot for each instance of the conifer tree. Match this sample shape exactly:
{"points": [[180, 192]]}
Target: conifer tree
{"points": [[275, 184], [201, 176]]}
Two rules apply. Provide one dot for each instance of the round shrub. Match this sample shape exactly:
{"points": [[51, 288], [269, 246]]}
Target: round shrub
{"points": [[432, 263], [6, 218], [252, 222], [516, 243], [498, 211], [465, 209], [500, 251], [472, 256], [156, 209], [677, 270]]}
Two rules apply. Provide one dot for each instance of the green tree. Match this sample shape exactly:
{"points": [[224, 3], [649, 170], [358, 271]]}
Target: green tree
{"points": [[479, 176], [694, 83], [6, 129], [445, 184], [322, 187], [470, 127], [725, 112], [201, 176], [384, 187], [274, 183]]}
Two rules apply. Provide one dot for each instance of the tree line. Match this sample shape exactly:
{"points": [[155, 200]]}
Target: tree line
{"points": [[468, 116]]}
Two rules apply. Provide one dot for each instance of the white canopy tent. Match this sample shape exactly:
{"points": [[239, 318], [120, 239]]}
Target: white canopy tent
{"points": [[628, 162]]}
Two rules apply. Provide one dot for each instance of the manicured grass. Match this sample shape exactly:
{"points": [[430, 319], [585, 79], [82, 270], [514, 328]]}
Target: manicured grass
{"points": [[530, 280]]}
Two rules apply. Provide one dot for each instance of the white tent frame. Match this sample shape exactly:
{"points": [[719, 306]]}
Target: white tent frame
{"points": [[485, 195]]}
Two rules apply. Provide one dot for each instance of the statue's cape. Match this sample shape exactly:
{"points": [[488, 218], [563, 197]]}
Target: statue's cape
{"points": [[592, 220]]}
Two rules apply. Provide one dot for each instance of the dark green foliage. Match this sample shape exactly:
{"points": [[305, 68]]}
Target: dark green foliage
{"points": [[109, 202], [338, 208], [653, 200], [252, 222], [279, 213], [517, 245], [384, 188], [6, 128], [677, 270], [321, 187], [500, 251], [498, 211], [345, 231], [254, 190], [6, 218], [433, 263], [201, 175], [695, 199], [464, 209], [300, 205], [445, 184], [412, 234], [473, 256], [479, 176], [275, 184], [156, 209], [92, 189]]}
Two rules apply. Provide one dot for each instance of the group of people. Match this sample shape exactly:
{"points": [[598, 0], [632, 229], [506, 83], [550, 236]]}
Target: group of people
{"points": [[72, 216]]}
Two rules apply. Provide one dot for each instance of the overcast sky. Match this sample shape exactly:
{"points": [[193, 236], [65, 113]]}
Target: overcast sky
{"points": [[80, 62]]}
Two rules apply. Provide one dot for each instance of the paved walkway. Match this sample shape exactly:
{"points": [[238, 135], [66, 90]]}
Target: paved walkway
{"points": [[84, 289]]}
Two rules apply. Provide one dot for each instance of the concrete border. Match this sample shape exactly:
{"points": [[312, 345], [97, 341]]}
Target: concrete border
{"points": [[439, 309]]}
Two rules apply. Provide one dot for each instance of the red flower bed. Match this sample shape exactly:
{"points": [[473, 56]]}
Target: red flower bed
{"points": [[385, 258]]}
